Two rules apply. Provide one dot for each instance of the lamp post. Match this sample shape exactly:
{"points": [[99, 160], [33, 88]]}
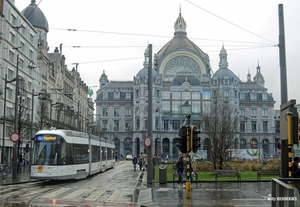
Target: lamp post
{"points": [[4, 115]]}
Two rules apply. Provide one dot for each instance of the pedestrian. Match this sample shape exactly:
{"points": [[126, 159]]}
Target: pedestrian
{"points": [[141, 162], [296, 172], [180, 168], [134, 162]]}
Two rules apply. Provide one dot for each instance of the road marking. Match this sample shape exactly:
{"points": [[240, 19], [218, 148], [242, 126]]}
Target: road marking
{"points": [[93, 196], [117, 194], [75, 194], [55, 193]]}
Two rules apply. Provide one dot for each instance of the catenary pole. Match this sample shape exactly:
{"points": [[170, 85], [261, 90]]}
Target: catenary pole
{"points": [[150, 80]]}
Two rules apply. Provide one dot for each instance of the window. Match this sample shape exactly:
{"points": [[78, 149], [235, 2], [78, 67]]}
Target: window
{"points": [[116, 112], [242, 112], [264, 97], [226, 93], [206, 95], [138, 123], [253, 113], [253, 126], [243, 126], [186, 95], [157, 93], [12, 38], [30, 54], [264, 113], [176, 125], [117, 95], [166, 94], [127, 125], [176, 95], [128, 95], [242, 96], [137, 93], [104, 112], [128, 112], [253, 144], [166, 125], [157, 124], [253, 96], [116, 125], [265, 126], [13, 20], [105, 95], [11, 56]]}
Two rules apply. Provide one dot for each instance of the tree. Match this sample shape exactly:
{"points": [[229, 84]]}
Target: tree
{"points": [[220, 125]]}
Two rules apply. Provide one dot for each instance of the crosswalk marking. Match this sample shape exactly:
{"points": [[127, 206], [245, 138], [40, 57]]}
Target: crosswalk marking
{"points": [[116, 195], [55, 193], [75, 194], [93, 196]]}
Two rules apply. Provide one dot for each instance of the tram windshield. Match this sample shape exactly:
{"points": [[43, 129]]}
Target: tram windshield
{"points": [[46, 150]]}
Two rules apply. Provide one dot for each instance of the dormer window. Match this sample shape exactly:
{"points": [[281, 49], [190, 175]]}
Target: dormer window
{"points": [[264, 97], [117, 95], [253, 96]]}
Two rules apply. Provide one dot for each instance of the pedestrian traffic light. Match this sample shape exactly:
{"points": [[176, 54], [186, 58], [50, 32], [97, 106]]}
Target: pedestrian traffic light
{"points": [[195, 140], [182, 139], [295, 128]]}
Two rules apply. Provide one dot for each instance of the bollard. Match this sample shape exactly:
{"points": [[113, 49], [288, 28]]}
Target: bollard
{"points": [[188, 189]]}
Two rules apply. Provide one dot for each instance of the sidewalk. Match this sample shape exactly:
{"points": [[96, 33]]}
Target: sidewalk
{"points": [[205, 194]]}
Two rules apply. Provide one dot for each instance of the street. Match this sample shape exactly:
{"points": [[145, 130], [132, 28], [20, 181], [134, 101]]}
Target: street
{"points": [[115, 187]]}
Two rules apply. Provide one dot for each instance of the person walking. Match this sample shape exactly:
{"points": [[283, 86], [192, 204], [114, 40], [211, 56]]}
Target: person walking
{"points": [[134, 162], [180, 168], [296, 172], [141, 162]]}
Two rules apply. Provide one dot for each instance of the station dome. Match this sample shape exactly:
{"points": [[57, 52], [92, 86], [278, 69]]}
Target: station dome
{"points": [[179, 41], [35, 16]]}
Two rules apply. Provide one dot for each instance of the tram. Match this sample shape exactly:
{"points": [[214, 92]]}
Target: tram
{"points": [[66, 154]]}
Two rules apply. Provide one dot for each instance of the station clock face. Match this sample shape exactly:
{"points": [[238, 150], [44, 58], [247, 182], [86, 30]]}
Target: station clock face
{"points": [[186, 86]]}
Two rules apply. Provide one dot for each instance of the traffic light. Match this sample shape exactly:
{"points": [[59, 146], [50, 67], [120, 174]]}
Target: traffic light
{"points": [[195, 140], [182, 139], [295, 129]]}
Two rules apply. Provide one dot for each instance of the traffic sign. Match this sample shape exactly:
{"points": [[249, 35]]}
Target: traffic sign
{"points": [[148, 141], [14, 137]]}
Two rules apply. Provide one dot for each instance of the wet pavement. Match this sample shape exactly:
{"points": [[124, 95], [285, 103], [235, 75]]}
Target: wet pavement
{"points": [[204, 194]]}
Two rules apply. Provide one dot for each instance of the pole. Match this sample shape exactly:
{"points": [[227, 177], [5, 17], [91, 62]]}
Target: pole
{"points": [[4, 119], [290, 143], [149, 154], [31, 128], [16, 120], [282, 56], [188, 158], [78, 122]]}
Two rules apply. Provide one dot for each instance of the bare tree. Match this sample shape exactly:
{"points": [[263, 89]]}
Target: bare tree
{"points": [[43, 110], [221, 125]]}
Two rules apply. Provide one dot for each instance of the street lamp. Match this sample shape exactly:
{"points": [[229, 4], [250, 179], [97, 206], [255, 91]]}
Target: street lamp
{"points": [[4, 114]]}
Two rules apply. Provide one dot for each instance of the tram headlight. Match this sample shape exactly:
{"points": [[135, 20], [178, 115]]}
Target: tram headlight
{"points": [[51, 168]]}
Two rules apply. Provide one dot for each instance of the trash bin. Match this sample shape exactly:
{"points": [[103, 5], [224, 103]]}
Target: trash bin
{"points": [[163, 174]]}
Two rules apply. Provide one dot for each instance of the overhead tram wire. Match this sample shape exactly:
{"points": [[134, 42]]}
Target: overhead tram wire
{"points": [[151, 35], [91, 62], [231, 23]]}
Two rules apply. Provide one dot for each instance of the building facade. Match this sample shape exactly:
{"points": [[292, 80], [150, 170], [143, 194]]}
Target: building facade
{"points": [[182, 75], [50, 94]]}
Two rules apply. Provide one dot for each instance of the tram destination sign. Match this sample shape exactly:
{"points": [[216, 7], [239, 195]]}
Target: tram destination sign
{"points": [[45, 138]]}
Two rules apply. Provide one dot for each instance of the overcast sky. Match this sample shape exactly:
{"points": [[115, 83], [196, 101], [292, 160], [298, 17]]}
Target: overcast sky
{"points": [[113, 35]]}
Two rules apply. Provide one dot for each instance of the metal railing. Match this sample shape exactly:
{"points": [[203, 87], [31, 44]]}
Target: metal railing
{"points": [[284, 192]]}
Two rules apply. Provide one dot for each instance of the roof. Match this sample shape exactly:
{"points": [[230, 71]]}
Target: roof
{"points": [[35, 16]]}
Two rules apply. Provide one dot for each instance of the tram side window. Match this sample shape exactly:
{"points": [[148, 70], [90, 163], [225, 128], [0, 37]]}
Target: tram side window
{"points": [[103, 153], [81, 153], [109, 156], [66, 152], [96, 153]]}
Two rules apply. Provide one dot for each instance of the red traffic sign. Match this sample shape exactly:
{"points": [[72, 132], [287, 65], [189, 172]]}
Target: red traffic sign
{"points": [[148, 141], [14, 137]]}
